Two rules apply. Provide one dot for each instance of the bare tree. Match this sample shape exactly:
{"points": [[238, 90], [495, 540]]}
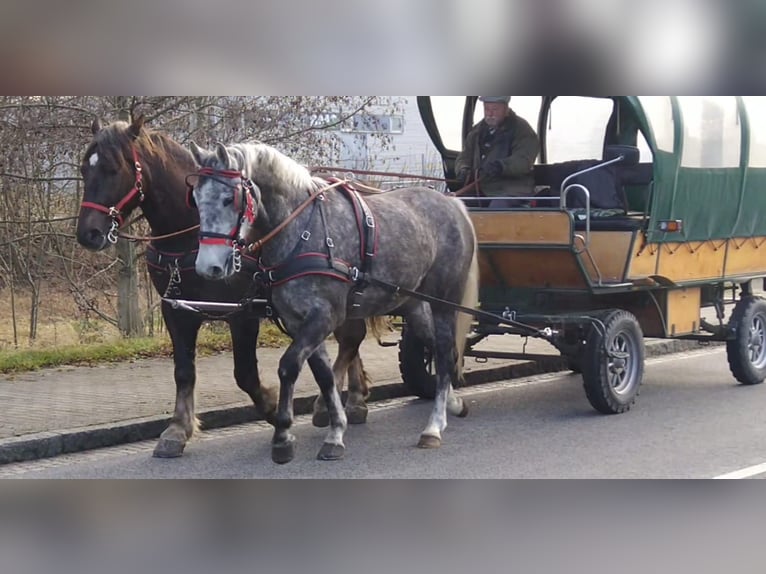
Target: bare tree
{"points": [[42, 139]]}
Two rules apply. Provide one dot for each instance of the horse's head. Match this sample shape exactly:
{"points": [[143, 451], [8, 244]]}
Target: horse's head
{"points": [[113, 180], [228, 203]]}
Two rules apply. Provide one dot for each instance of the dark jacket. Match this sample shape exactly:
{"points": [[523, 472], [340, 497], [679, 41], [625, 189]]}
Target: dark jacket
{"points": [[515, 144]]}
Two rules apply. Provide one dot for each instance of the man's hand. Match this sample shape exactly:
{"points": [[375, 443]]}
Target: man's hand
{"points": [[493, 169]]}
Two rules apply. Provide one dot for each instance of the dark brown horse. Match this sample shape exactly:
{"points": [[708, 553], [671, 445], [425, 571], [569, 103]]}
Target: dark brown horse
{"points": [[127, 167]]}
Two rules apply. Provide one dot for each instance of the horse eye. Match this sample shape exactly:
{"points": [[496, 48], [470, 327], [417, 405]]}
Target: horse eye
{"points": [[227, 201]]}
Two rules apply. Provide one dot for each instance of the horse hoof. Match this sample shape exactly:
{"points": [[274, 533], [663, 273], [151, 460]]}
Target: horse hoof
{"points": [[357, 415], [331, 452], [321, 420], [428, 442], [283, 453], [169, 449]]}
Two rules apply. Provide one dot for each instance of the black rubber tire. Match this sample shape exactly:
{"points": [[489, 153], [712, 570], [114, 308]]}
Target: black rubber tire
{"points": [[613, 363], [575, 365], [747, 350], [416, 366]]}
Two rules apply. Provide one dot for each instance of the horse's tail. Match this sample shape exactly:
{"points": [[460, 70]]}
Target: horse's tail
{"points": [[471, 301], [377, 326]]}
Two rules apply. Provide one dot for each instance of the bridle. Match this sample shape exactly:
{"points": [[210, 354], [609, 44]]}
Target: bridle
{"points": [[245, 196], [245, 199], [116, 212]]}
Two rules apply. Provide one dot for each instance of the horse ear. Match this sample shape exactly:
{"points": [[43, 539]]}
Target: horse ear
{"points": [[137, 126], [223, 155], [97, 126], [198, 153]]}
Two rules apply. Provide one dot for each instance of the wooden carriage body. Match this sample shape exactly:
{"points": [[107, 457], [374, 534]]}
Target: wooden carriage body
{"points": [[690, 230]]}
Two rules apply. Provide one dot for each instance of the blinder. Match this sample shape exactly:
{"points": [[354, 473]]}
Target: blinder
{"points": [[244, 192], [191, 184]]}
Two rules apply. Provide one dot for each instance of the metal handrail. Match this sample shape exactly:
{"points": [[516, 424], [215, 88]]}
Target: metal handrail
{"points": [[586, 191], [566, 188]]}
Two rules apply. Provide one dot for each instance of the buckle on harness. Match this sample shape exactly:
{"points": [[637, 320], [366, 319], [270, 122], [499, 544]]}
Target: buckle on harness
{"points": [[370, 222], [355, 274], [306, 235]]}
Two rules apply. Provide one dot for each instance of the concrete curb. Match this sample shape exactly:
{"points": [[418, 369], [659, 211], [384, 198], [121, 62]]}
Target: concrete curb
{"points": [[52, 444]]}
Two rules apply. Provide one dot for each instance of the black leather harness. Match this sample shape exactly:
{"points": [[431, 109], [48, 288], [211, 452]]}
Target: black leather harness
{"points": [[326, 264], [177, 265]]}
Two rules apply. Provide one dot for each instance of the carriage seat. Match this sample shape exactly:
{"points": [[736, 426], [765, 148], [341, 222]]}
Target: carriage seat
{"points": [[609, 187], [608, 220]]}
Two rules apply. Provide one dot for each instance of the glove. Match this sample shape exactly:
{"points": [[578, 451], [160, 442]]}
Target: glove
{"points": [[493, 169], [463, 176]]}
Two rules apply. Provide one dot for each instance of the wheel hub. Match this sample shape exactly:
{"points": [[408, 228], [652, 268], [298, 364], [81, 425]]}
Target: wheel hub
{"points": [[620, 366]]}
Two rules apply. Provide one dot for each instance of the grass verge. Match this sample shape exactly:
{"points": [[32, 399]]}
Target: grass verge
{"points": [[211, 341]]}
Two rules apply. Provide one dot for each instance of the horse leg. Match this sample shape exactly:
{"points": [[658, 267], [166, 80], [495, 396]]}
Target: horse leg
{"points": [[183, 328], [333, 448], [311, 335], [420, 319], [350, 336], [446, 372], [358, 392], [244, 336]]}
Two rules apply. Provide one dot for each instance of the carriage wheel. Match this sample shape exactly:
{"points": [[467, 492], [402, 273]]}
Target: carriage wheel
{"points": [[417, 366], [747, 350], [613, 363]]}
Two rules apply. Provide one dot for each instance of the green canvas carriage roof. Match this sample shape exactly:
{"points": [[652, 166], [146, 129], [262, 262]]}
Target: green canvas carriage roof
{"points": [[710, 164], [709, 161]]}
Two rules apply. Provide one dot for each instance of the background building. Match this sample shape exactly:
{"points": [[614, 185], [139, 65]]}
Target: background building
{"points": [[390, 140]]}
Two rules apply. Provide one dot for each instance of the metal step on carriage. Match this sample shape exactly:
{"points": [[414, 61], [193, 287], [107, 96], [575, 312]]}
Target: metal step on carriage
{"points": [[687, 234]]}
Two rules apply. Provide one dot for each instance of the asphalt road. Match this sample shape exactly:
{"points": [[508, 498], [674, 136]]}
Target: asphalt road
{"points": [[691, 421]]}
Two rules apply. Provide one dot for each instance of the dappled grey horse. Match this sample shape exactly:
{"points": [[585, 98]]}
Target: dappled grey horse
{"points": [[333, 256]]}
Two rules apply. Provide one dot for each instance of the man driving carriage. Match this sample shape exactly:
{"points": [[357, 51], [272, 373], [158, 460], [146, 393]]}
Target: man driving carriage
{"points": [[500, 154]]}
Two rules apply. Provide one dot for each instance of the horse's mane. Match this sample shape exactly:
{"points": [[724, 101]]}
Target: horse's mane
{"points": [[269, 166], [114, 142]]}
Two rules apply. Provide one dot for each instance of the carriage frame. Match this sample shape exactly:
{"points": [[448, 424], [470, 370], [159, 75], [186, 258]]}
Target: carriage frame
{"points": [[689, 238]]}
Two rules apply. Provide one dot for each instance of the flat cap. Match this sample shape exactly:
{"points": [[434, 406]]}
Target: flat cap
{"points": [[495, 99]]}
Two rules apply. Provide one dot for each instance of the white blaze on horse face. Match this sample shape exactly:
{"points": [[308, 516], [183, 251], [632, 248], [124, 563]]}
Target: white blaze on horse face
{"points": [[94, 160], [216, 257]]}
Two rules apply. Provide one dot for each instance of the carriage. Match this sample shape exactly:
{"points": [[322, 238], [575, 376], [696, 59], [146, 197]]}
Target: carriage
{"points": [[648, 211]]}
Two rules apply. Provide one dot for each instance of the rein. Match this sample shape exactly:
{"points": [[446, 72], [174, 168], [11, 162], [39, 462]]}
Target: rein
{"points": [[149, 239], [258, 245], [368, 189], [378, 173]]}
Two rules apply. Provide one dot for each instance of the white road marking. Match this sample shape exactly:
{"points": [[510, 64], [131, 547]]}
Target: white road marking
{"points": [[744, 474]]}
